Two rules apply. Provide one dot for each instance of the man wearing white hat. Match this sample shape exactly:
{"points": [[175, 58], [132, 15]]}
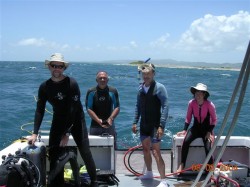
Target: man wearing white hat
{"points": [[205, 118], [63, 93]]}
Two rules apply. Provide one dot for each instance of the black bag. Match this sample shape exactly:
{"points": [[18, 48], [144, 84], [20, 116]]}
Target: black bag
{"points": [[107, 177], [67, 154]]}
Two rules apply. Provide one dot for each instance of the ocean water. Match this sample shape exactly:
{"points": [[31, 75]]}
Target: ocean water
{"points": [[19, 82]]}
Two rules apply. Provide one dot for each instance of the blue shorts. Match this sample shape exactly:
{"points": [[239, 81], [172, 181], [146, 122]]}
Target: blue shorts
{"points": [[153, 137], [153, 140]]}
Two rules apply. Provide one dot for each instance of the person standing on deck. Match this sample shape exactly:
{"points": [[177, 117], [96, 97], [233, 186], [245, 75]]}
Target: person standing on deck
{"points": [[205, 118], [63, 93], [103, 105], [152, 110]]}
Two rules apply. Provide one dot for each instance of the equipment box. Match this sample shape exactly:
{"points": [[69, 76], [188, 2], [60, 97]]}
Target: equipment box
{"points": [[102, 149], [238, 149]]}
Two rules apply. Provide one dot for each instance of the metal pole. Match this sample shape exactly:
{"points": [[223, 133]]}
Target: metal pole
{"points": [[242, 72]]}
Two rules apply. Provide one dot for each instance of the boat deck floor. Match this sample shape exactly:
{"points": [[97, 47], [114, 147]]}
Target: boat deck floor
{"points": [[128, 179]]}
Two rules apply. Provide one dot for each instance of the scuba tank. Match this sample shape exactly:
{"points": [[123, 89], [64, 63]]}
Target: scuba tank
{"points": [[37, 154]]}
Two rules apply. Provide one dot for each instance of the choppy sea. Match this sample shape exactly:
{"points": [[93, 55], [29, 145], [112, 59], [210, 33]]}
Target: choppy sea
{"points": [[19, 82]]}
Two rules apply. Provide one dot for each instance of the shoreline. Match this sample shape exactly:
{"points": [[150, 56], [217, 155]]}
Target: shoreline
{"points": [[174, 66], [192, 67]]}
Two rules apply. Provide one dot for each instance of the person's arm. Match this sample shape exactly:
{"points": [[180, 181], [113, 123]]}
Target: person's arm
{"points": [[116, 106], [113, 115], [137, 113], [187, 120], [93, 116], [213, 116], [213, 121], [39, 113], [89, 106], [163, 96]]}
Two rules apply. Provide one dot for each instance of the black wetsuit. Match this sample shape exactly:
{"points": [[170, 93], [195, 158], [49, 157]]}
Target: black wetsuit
{"points": [[64, 96], [102, 102]]}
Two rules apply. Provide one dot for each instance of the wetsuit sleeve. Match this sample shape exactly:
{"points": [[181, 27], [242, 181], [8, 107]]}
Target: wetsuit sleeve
{"points": [[213, 120], [40, 107], [137, 109], [74, 103], [186, 126], [115, 99], [163, 96], [188, 115], [89, 99]]}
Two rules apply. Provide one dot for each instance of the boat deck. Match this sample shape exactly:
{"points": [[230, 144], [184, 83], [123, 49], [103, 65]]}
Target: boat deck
{"points": [[106, 158], [137, 163]]}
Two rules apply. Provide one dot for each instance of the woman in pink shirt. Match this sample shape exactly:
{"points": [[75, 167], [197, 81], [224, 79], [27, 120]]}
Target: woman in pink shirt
{"points": [[204, 114]]}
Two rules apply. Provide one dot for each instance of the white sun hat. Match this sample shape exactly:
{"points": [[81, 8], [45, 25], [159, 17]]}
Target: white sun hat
{"points": [[56, 57], [200, 87]]}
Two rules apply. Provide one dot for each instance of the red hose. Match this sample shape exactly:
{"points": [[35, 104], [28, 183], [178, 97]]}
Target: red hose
{"points": [[139, 174], [124, 159]]}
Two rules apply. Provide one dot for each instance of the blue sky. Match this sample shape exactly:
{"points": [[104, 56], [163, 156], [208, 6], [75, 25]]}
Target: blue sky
{"points": [[216, 31]]}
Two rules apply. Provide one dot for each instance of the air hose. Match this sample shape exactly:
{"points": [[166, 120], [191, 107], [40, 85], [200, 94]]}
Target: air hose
{"points": [[128, 166]]}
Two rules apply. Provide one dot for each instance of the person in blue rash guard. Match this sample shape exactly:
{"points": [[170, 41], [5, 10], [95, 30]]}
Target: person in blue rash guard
{"points": [[63, 93], [103, 105], [152, 110]]}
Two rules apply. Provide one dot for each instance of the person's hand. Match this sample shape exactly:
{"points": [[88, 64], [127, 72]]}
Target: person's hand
{"points": [[110, 121], [99, 121], [32, 139], [134, 130], [105, 124], [181, 133], [64, 141], [209, 137], [160, 133]]}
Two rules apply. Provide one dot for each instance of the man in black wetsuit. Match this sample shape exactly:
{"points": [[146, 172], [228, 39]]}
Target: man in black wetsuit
{"points": [[63, 93], [102, 104]]}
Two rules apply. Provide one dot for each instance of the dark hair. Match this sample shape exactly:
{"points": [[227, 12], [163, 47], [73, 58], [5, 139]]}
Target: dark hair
{"points": [[206, 95]]}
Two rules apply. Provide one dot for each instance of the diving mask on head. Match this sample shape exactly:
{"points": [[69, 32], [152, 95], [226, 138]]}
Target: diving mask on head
{"points": [[144, 68]]}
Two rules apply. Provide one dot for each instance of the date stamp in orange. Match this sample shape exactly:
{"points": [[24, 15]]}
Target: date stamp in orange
{"points": [[211, 168]]}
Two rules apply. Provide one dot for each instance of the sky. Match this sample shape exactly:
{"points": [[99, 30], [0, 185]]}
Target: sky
{"points": [[214, 31]]}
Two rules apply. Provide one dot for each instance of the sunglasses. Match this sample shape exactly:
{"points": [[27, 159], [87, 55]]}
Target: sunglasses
{"points": [[54, 66]]}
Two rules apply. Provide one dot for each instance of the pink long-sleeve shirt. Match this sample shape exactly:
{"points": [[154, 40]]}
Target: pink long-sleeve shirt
{"points": [[201, 112]]}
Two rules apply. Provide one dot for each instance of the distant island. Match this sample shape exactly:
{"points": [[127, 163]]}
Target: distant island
{"points": [[169, 63], [136, 62]]}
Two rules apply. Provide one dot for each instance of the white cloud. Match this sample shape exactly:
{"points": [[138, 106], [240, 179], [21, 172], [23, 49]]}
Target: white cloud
{"points": [[133, 44], [32, 42], [161, 41], [41, 42], [217, 33]]}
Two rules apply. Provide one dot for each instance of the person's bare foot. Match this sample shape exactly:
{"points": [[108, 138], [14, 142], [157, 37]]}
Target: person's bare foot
{"points": [[179, 170]]}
